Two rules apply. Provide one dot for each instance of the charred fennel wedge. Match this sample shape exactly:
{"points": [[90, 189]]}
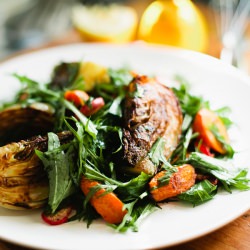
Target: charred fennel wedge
{"points": [[23, 182], [19, 122]]}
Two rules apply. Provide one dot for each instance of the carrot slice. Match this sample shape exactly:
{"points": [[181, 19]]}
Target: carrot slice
{"points": [[204, 120], [179, 182], [108, 205], [78, 97]]}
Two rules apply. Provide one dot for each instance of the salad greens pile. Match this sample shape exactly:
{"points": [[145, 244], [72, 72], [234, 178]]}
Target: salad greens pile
{"points": [[95, 150]]}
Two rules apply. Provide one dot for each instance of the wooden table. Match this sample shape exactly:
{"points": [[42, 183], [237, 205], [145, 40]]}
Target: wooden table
{"points": [[234, 236]]}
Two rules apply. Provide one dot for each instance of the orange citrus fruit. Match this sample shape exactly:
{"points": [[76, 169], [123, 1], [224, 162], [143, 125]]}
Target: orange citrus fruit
{"points": [[174, 22], [100, 23]]}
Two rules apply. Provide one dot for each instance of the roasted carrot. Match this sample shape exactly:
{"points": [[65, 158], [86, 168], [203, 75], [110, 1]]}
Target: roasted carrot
{"points": [[78, 97], [179, 182], [204, 120], [108, 205]]}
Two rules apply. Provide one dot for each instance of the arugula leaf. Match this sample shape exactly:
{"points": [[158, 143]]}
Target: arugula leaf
{"points": [[137, 210], [138, 93], [133, 188], [58, 165], [221, 139], [119, 79], [157, 156], [222, 170], [199, 193], [35, 92], [187, 121], [189, 104], [186, 142], [127, 190], [27, 82], [89, 126], [180, 153], [95, 189], [156, 153], [87, 213], [115, 108], [164, 180], [78, 134], [223, 114]]}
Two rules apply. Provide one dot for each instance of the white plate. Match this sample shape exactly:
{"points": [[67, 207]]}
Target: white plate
{"points": [[175, 222]]}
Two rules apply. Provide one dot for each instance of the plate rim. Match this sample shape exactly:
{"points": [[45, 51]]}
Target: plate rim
{"points": [[167, 49]]}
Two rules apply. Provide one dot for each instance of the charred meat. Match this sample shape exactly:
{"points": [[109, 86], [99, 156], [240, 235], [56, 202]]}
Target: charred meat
{"points": [[151, 110]]}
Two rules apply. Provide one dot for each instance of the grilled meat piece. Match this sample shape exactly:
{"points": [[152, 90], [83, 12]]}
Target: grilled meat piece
{"points": [[151, 110]]}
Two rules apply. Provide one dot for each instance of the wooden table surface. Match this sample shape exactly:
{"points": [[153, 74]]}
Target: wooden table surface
{"points": [[234, 236]]}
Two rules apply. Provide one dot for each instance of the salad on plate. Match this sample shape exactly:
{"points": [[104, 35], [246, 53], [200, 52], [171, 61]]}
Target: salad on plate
{"points": [[98, 142]]}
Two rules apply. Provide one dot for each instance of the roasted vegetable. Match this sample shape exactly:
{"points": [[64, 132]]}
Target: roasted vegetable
{"points": [[19, 122], [151, 110], [23, 181], [179, 182], [107, 204]]}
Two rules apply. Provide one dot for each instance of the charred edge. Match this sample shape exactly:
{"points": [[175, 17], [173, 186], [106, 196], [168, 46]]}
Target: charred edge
{"points": [[40, 143]]}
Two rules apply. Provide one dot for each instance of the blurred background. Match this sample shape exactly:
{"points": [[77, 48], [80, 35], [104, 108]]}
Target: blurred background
{"points": [[216, 27]]}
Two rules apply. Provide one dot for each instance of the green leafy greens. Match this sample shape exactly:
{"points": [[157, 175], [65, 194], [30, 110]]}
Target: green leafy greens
{"points": [[199, 193], [228, 176], [95, 150], [58, 162]]}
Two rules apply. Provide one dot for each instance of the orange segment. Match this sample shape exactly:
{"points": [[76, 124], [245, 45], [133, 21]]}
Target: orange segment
{"points": [[112, 23], [174, 22]]}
